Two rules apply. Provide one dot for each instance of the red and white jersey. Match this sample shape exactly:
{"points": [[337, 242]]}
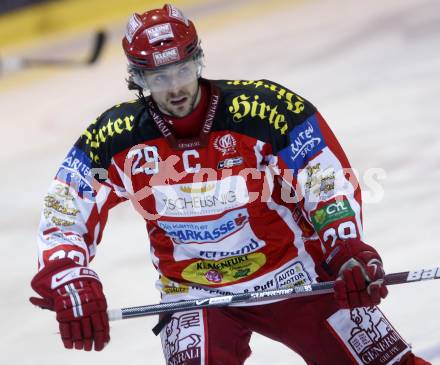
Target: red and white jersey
{"points": [[251, 204]]}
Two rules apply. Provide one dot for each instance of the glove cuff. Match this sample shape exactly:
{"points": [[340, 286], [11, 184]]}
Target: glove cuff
{"points": [[343, 252], [58, 273]]}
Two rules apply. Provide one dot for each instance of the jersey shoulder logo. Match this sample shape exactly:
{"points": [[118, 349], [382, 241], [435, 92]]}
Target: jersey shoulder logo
{"points": [[264, 101], [115, 122]]}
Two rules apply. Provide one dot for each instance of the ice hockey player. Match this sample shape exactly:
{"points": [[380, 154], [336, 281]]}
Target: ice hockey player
{"points": [[243, 187]]}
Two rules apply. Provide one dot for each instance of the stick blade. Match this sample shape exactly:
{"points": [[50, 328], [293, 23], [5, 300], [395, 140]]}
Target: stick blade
{"points": [[100, 40]]}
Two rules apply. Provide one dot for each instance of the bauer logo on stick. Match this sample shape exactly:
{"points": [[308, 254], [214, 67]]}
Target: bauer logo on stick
{"points": [[424, 274]]}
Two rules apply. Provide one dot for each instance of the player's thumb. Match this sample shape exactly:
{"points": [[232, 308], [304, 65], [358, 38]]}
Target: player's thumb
{"points": [[42, 303]]}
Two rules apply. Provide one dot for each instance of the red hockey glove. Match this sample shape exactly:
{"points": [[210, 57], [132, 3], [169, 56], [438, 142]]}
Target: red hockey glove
{"points": [[75, 293], [357, 268]]}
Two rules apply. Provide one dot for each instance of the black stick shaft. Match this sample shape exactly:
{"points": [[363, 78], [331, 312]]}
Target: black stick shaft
{"points": [[92, 57], [266, 295], [19, 63]]}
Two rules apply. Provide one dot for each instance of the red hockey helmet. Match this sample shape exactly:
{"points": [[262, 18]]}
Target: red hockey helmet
{"points": [[159, 37]]}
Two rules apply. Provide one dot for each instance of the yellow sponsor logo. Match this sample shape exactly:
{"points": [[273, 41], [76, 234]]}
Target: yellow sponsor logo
{"points": [[96, 137], [210, 272], [63, 192], [202, 190], [60, 207], [170, 287], [294, 103], [60, 202], [244, 105], [61, 222], [319, 181]]}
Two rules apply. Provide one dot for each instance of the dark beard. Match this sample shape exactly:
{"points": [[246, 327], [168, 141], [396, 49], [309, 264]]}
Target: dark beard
{"points": [[192, 106]]}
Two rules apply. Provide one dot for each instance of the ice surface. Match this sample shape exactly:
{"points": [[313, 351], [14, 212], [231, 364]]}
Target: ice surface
{"points": [[371, 67]]}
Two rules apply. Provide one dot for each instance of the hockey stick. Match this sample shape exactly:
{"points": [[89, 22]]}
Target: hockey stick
{"points": [[18, 63], [266, 295]]}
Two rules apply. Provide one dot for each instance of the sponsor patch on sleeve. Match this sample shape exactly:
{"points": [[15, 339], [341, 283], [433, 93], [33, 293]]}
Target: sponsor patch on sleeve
{"points": [[306, 141], [331, 213], [75, 171]]}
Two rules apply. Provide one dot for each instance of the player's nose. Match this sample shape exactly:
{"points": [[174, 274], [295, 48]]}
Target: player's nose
{"points": [[174, 85]]}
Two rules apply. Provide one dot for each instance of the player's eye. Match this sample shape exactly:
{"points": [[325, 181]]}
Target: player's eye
{"points": [[160, 79], [185, 71]]}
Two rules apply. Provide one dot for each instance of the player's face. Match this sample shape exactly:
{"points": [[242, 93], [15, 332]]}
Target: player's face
{"points": [[175, 88]]}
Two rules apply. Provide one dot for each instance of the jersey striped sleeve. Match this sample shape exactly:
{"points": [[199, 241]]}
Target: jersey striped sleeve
{"points": [[75, 209], [315, 166]]}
